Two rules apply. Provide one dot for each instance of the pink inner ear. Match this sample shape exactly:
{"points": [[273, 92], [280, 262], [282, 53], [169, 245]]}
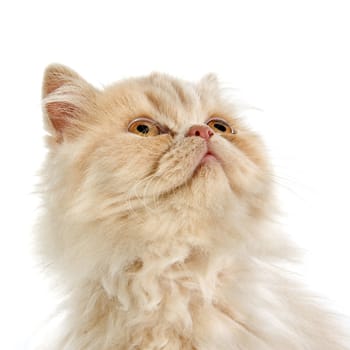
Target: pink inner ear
{"points": [[61, 115]]}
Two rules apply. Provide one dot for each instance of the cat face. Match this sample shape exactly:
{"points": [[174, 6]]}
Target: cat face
{"points": [[150, 142]]}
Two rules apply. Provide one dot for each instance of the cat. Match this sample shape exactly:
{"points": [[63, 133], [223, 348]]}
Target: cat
{"points": [[158, 223]]}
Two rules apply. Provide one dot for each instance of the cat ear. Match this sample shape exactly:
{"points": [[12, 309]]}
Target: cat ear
{"points": [[68, 100], [209, 82]]}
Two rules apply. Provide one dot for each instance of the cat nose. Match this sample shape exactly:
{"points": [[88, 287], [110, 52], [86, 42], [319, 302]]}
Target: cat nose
{"points": [[202, 131]]}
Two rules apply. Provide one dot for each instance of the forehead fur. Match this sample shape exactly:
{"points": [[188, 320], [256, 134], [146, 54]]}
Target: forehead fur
{"points": [[165, 98]]}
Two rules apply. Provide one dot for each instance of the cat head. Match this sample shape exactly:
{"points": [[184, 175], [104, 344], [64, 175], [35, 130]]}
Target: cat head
{"points": [[148, 143]]}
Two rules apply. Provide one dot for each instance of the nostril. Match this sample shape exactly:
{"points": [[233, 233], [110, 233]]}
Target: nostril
{"points": [[202, 131]]}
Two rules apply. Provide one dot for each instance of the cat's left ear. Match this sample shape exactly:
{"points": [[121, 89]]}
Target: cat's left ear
{"points": [[68, 102], [209, 81]]}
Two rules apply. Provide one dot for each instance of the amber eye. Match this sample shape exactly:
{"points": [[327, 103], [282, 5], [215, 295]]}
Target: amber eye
{"points": [[144, 127], [220, 126]]}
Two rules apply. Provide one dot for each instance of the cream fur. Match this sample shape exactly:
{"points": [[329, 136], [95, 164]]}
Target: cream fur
{"points": [[153, 250]]}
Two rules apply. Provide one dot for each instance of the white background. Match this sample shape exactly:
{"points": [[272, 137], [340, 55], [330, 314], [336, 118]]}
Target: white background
{"points": [[289, 58]]}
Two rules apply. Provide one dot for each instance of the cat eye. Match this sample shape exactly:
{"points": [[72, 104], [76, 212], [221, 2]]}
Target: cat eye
{"points": [[144, 127], [220, 126]]}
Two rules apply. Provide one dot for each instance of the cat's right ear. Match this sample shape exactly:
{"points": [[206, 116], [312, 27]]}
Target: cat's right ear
{"points": [[68, 101]]}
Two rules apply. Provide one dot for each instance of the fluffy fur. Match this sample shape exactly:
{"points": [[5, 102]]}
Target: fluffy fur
{"points": [[155, 248]]}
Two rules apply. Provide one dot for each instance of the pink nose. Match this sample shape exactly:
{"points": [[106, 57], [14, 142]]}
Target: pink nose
{"points": [[202, 131]]}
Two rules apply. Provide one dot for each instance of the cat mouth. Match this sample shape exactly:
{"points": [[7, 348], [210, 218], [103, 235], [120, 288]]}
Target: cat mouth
{"points": [[208, 157]]}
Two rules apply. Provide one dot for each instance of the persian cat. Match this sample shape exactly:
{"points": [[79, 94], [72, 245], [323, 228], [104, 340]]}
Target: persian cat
{"points": [[158, 223]]}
